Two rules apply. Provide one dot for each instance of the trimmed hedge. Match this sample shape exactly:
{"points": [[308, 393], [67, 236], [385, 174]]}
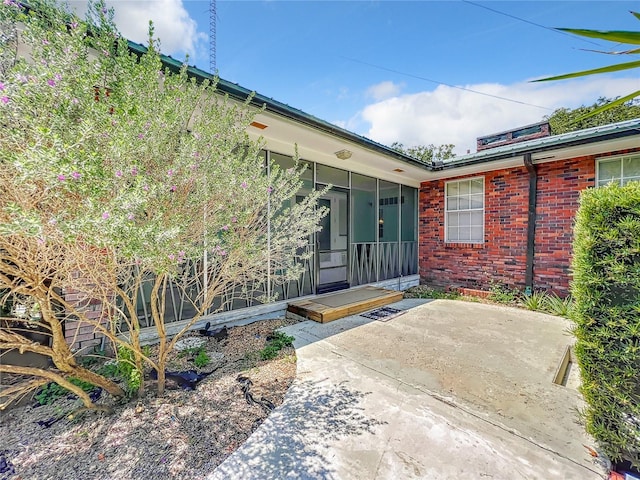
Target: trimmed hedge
{"points": [[606, 290]]}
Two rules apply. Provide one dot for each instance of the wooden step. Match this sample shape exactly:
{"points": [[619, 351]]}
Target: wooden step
{"points": [[326, 308]]}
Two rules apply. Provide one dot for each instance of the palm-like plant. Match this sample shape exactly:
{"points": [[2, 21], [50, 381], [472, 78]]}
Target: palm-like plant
{"points": [[619, 36]]}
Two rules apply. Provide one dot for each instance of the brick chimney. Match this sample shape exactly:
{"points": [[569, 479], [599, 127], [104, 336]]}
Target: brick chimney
{"points": [[522, 134]]}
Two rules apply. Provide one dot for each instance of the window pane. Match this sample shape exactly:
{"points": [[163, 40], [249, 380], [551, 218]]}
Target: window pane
{"points": [[408, 211], [333, 176], [476, 234], [464, 218], [364, 219], [463, 203], [631, 167], [476, 201], [452, 204], [609, 170], [452, 189], [464, 234], [464, 187], [452, 234], [390, 211], [452, 219], [475, 219], [477, 185]]}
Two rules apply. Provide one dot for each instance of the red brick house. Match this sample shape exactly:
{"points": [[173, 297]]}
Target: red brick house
{"points": [[505, 214]]}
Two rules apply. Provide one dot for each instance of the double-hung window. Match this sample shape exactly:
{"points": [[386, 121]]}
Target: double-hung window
{"points": [[464, 211], [618, 170]]}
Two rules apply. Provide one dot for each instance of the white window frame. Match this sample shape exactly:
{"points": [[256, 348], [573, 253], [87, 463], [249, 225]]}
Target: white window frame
{"points": [[621, 159], [446, 210]]}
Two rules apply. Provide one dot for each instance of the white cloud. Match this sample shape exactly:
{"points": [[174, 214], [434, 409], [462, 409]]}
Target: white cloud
{"points": [[177, 31], [450, 115], [384, 90]]}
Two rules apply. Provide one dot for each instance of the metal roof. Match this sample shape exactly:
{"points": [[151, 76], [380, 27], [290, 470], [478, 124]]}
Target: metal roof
{"points": [[579, 137], [240, 93]]}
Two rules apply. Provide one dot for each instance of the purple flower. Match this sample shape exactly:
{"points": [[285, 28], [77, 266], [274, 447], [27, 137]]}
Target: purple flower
{"points": [[140, 135], [223, 252], [244, 185], [51, 82], [22, 78], [270, 189], [118, 173], [58, 77], [170, 173], [172, 257], [74, 25], [74, 101], [146, 188], [1, 86], [4, 100], [76, 175], [62, 178], [53, 221], [173, 188], [234, 219], [45, 42], [105, 215], [134, 171], [131, 216], [194, 166], [225, 227]]}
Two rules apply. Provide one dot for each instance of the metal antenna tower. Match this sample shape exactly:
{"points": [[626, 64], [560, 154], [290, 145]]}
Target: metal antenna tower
{"points": [[213, 68]]}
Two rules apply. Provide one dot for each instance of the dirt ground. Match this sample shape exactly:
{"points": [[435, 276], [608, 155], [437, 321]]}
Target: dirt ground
{"points": [[182, 435]]}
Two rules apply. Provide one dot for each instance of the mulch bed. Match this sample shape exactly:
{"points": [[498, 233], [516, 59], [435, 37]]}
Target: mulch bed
{"points": [[181, 435]]}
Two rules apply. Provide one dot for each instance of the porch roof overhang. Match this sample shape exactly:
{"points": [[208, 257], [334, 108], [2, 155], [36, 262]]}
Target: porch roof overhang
{"points": [[318, 140]]}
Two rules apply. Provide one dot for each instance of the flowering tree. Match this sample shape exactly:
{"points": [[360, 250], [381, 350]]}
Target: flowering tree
{"points": [[117, 173]]}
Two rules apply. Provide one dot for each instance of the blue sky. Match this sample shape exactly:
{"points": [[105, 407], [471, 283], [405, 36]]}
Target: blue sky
{"points": [[389, 69]]}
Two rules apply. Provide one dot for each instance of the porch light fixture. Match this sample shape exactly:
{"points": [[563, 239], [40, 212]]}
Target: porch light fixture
{"points": [[343, 154]]}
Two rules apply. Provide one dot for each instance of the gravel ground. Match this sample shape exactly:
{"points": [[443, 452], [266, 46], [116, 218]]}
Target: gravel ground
{"points": [[182, 435]]}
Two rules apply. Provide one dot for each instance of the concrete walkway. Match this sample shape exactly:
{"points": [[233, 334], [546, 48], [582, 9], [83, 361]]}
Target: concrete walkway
{"points": [[448, 390]]}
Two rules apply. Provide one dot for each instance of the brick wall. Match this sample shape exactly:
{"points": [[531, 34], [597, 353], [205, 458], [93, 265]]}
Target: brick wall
{"points": [[81, 335], [502, 256]]}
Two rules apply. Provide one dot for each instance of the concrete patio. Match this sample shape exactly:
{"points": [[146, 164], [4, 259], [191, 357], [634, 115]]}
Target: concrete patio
{"points": [[448, 390]]}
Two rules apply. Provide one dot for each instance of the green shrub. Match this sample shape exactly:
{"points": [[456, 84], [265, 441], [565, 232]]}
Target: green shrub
{"points": [[277, 342], [422, 291], [606, 312], [534, 301], [50, 392], [501, 293], [556, 305], [201, 359], [124, 368]]}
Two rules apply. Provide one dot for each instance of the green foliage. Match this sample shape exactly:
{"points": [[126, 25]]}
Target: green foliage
{"points": [[535, 301], [201, 359], [559, 306], [125, 369], [426, 153], [619, 37], [50, 392], [424, 291], [278, 341], [606, 312], [564, 120], [113, 162], [501, 293], [199, 354]]}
